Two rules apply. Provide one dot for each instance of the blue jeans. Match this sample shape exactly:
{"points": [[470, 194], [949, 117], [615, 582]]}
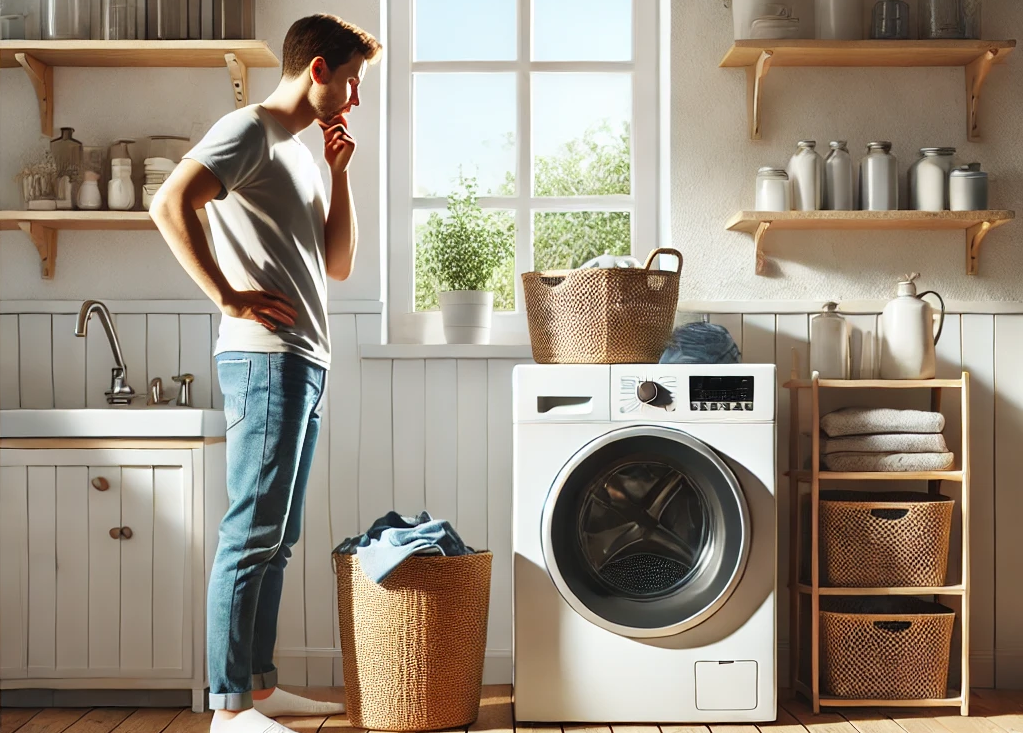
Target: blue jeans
{"points": [[272, 405]]}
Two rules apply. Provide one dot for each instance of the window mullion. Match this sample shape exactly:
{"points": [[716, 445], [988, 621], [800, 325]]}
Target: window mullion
{"points": [[524, 165]]}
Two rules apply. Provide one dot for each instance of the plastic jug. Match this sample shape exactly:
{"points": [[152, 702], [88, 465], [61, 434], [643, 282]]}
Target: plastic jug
{"points": [[829, 344], [907, 333]]}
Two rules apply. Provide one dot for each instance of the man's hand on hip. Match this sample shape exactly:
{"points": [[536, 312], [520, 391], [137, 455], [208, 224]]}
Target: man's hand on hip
{"points": [[268, 309], [338, 144]]}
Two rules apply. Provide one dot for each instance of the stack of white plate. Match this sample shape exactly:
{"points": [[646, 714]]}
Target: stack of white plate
{"points": [[157, 170]]}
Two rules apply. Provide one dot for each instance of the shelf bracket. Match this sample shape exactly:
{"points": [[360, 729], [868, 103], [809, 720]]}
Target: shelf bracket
{"points": [[41, 76], [755, 91], [45, 240], [239, 79], [974, 238], [976, 73], [758, 243]]}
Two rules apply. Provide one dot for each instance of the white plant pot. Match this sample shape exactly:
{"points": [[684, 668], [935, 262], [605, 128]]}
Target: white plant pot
{"points": [[467, 316]]}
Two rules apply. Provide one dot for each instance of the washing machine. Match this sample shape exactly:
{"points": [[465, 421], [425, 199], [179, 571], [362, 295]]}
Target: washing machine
{"points": [[644, 543]]}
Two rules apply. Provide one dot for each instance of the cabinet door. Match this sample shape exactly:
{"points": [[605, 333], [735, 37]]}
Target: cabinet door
{"points": [[102, 567]]}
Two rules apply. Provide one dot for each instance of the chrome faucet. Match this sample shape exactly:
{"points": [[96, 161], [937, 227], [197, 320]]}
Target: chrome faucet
{"points": [[120, 392]]}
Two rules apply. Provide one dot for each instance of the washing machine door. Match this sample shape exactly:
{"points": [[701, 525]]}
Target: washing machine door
{"points": [[646, 531]]}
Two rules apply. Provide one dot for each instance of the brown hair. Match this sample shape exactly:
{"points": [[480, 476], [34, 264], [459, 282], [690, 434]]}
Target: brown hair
{"points": [[328, 36]]}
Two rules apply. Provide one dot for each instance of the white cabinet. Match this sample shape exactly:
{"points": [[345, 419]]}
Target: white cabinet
{"points": [[102, 568]]}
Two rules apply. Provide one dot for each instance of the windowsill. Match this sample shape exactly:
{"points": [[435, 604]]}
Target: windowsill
{"points": [[446, 351]]}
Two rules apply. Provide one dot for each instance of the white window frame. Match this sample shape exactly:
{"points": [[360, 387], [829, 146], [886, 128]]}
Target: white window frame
{"points": [[648, 165]]}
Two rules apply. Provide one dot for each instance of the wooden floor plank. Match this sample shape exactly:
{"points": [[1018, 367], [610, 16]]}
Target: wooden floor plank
{"points": [[303, 723], [189, 722], [591, 728], [13, 718], [909, 720], [870, 720], [784, 723], [495, 710], [148, 720], [101, 720], [952, 720], [53, 720], [733, 729], [825, 722], [684, 729], [635, 729], [1004, 711]]}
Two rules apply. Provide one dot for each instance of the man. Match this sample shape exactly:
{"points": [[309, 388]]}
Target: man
{"points": [[277, 242]]}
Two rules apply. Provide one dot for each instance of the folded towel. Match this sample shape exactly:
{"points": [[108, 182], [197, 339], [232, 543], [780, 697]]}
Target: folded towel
{"points": [[886, 443], [393, 538], [870, 420], [888, 461]]}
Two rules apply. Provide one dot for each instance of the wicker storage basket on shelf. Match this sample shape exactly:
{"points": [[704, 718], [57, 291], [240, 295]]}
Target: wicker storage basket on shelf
{"points": [[601, 316], [885, 648], [412, 648], [885, 538]]}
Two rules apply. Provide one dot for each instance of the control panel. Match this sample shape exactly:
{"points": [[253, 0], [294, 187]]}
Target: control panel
{"points": [[721, 393]]}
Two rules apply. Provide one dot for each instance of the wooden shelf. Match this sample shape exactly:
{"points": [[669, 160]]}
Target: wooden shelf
{"points": [[806, 476], [976, 224], [954, 699], [876, 384], [948, 590], [38, 58], [757, 57], [42, 227]]}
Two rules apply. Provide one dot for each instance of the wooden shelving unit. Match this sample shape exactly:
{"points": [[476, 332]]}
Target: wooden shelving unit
{"points": [[976, 225], [798, 587], [38, 58], [42, 227], [759, 56]]}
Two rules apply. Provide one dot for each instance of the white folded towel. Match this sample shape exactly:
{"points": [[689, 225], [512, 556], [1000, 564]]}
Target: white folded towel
{"points": [[886, 443], [871, 420], [848, 462]]}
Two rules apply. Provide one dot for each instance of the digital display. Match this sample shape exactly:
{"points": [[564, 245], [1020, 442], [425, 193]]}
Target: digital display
{"points": [[731, 394]]}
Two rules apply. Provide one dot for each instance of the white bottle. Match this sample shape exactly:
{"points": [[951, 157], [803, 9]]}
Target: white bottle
{"points": [[879, 178], [907, 334], [806, 174], [840, 20], [838, 179], [829, 344]]}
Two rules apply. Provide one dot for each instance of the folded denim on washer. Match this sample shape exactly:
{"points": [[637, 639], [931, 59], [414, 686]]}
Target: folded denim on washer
{"points": [[886, 443]]}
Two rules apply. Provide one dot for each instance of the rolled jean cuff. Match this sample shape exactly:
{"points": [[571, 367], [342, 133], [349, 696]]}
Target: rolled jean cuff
{"points": [[231, 701], [265, 681]]}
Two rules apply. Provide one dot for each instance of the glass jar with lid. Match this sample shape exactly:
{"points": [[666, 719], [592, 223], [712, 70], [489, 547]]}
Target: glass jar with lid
{"points": [[949, 19], [774, 192]]}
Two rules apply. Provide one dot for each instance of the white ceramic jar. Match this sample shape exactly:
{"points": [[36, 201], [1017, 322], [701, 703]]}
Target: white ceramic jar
{"points": [[839, 193], [806, 174], [907, 334], [879, 178], [928, 179], [839, 20], [968, 189], [774, 191]]}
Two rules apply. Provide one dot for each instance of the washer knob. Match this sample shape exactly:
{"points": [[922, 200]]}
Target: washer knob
{"points": [[647, 392]]}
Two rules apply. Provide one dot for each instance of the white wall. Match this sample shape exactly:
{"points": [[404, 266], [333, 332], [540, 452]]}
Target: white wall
{"points": [[714, 164], [106, 104]]}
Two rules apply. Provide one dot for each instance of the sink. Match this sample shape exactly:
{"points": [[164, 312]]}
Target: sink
{"points": [[135, 421]]}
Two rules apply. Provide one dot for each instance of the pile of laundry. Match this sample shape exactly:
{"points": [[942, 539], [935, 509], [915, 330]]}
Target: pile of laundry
{"points": [[884, 439], [394, 538]]}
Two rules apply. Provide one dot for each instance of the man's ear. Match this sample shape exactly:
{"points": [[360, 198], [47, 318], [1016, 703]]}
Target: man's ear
{"points": [[318, 70]]}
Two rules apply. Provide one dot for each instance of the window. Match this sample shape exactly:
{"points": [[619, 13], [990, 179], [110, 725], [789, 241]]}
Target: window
{"points": [[550, 108]]}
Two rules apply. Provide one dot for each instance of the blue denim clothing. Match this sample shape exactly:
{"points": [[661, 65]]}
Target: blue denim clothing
{"points": [[272, 405], [393, 539]]}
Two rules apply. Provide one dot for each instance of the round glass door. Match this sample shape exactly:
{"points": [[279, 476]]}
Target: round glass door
{"points": [[646, 531]]}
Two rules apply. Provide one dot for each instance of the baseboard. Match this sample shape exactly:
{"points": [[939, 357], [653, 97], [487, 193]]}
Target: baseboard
{"points": [[95, 698]]}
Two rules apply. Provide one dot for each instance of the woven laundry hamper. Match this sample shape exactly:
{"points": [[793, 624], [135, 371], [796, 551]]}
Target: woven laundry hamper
{"points": [[884, 538], [885, 647], [412, 647], [602, 316]]}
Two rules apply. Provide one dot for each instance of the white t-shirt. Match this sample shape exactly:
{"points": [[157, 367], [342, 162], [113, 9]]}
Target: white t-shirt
{"points": [[268, 229]]}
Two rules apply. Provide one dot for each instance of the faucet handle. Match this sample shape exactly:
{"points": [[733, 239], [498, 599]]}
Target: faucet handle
{"points": [[185, 391]]}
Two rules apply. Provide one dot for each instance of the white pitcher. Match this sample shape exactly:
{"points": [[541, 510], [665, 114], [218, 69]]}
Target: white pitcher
{"points": [[907, 333]]}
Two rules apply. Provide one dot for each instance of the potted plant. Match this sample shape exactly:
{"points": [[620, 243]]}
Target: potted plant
{"points": [[461, 253]]}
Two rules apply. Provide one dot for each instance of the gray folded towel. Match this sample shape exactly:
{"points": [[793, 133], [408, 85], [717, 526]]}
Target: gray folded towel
{"points": [[870, 420], [888, 461], [886, 443]]}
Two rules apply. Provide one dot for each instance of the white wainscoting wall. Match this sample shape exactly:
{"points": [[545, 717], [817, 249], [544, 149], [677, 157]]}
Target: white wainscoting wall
{"points": [[408, 429]]}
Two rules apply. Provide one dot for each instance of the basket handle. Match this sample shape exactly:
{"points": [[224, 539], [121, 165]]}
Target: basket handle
{"points": [[893, 627], [664, 251], [892, 515]]}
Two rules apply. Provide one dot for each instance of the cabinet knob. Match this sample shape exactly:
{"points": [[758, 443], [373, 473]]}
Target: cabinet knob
{"points": [[121, 533], [126, 533], [115, 533], [100, 484]]}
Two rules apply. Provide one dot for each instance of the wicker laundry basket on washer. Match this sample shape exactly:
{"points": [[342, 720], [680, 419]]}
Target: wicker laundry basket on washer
{"points": [[412, 647]]}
